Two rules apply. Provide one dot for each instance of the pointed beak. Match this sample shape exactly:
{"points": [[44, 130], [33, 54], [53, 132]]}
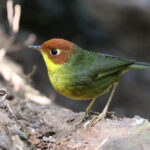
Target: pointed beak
{"points": [[38, 48]]}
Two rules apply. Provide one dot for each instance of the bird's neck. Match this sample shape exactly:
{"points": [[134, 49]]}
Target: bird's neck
{"points": [[51, 66]]}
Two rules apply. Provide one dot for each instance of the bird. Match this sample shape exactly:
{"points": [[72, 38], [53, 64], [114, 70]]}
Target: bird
{"points": [[81, 74]]}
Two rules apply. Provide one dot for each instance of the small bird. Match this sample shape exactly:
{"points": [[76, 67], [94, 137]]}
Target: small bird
{"points": [[84, 75]]}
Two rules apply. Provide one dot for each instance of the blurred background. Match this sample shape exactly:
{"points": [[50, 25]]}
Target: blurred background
{"points": [[115, 27]]}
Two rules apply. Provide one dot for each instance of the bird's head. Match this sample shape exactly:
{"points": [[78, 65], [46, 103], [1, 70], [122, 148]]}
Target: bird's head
{"points": [[55, 52]]}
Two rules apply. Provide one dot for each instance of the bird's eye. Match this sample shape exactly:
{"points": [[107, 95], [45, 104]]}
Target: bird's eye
{"points": [[55, 52]]}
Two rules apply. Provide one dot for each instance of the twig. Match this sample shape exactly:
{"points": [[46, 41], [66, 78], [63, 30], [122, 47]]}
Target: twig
{"points": [[30, 75], [16, 19], [2, 53], [10, 12], [5, 103], [13, 16]]}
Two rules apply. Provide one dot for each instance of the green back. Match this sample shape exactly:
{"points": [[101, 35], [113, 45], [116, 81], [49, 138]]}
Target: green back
{"points": [[87, 64]]}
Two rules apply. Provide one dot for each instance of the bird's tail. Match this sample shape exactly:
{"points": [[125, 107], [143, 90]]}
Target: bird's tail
{"points": [[140, 65]]}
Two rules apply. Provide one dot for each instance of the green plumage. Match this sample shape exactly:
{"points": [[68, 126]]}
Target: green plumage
{"points": [[87, 74]]}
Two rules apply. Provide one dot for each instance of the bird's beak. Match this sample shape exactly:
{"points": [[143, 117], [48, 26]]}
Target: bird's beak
{"points": [[38, 48]]}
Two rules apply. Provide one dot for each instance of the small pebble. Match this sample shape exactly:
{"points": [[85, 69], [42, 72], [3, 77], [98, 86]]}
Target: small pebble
{"points": [[2, 92], [33, 130], [138, 121], [10, 97]]}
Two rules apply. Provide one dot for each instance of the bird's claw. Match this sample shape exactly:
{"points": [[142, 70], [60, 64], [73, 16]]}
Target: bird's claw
{"points": [[102, 116], [99, 117], [86, 116]]}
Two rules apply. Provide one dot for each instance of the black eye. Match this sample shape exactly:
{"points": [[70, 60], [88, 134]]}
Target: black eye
{"points": [[54, 52]]}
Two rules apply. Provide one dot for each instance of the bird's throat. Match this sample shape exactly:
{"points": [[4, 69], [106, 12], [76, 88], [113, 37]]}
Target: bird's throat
{"points": [[51, 66]]}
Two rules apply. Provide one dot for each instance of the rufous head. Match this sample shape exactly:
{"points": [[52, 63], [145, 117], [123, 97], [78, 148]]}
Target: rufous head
{"points": [[57, 50]]}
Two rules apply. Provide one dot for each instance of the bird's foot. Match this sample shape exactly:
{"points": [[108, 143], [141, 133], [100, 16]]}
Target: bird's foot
{"points": [[103, 116], [99, 117], [95, 117], [86, 116]]}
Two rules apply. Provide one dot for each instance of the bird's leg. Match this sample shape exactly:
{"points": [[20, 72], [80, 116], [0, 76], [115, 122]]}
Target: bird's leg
{"points": [[105, 110], [88, 109], [87, 112]]}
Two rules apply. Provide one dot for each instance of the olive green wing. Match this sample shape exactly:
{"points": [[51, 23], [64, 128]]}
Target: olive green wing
{"points": [[87, 66], [101, 65], [109, 64]]}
